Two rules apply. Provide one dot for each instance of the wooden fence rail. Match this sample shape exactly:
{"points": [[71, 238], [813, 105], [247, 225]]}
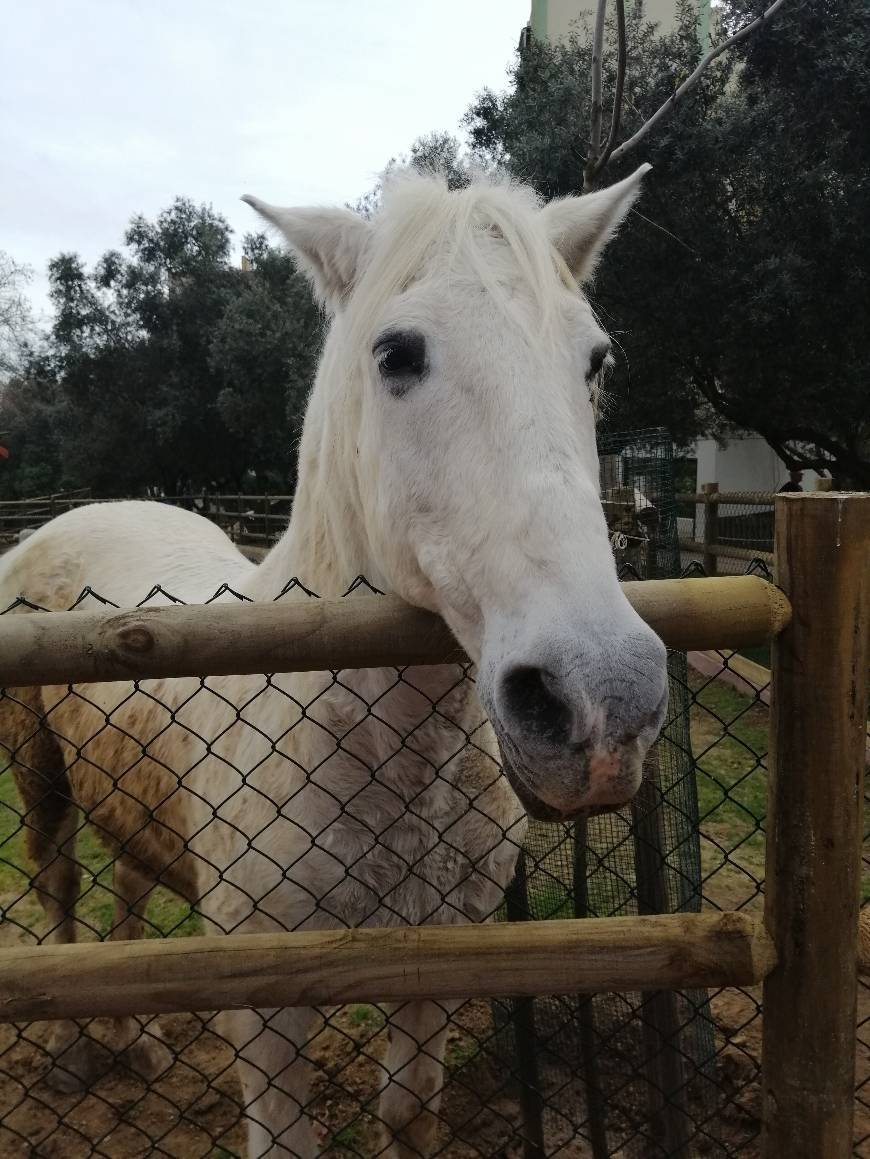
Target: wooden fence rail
{"points": [[331, 967], [744, 542], [250, 517], [733, 498], [724, 551], [359, 631]]}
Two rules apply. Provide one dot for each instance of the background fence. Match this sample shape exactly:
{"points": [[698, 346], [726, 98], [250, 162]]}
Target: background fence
{"points": [[720, 530], [249, 520], [642, 1074], [723, 530], [16, 515]]}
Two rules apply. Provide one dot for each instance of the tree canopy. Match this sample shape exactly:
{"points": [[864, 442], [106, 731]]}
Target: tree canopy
{"points": [[166, 366], [738, 292], [739, 289], [16, 322]]}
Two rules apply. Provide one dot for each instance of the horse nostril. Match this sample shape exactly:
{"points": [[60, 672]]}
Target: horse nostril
{"points": [[532, 700]]}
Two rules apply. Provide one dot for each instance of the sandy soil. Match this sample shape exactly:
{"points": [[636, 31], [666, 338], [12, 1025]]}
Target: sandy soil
{"points": [[194, 1109]]}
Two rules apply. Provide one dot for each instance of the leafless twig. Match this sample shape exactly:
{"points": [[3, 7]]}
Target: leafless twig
{"points": [[597, 109], [592, 172], [693, 79]]}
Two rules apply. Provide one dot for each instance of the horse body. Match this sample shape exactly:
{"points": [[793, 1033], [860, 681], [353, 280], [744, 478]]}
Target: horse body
{"points": [[223, 791], [448, 456]]}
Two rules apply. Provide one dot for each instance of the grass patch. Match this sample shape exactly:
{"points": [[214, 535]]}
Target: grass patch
{"points": [[350, 1138], [167, 914], [730, 737], [730, 742], [460, 1051], [370, 1017]]}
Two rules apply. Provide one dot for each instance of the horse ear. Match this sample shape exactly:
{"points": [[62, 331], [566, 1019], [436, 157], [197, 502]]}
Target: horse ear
{"points": [[328, 245], [581, 227]]}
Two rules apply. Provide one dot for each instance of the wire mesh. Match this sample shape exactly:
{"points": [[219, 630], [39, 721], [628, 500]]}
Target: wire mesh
{"points": [[173, 808]]}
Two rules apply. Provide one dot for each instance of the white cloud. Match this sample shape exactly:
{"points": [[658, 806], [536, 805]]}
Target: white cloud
{"points": [[112, 107]]}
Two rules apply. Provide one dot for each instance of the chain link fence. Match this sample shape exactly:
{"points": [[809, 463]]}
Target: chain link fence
{"points": [[166, 809], [726, 530]]}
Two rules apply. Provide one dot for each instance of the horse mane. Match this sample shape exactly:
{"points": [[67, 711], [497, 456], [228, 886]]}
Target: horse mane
{"points": [[490, 230]]}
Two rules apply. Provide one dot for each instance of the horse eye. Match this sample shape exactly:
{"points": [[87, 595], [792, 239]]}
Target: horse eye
{"points": [[597, 359], [401, 359]]}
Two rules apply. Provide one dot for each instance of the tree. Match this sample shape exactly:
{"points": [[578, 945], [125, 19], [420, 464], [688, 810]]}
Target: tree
{"points": [[263, 355], [16, 323], [28, 421], [738, 291], [436, 152], [166, 365], [601, 150]]}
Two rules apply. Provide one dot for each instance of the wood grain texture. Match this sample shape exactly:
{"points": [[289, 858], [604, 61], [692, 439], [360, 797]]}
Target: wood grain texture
{"points": [[312, 635], [725, 551], [815, 805], [382, 965], [711, 526]]}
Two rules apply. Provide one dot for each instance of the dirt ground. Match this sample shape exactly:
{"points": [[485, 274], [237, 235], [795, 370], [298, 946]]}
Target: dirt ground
{"points": [[194, 1109]]}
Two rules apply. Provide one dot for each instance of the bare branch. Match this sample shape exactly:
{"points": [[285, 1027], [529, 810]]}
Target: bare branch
{"points": [[597, 109], [619, 87], [690, 82]]}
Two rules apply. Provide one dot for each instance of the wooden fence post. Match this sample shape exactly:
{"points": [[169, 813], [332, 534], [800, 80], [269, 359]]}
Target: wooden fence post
{"points": [[669, 1127], [590, 1044], [711, 520], [518, 909], [814, 815]]}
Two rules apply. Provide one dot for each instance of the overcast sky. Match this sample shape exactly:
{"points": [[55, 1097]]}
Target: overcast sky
{"points": [[110, 107]]}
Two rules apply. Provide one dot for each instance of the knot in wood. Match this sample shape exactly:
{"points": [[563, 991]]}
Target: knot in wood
{"points": [[136, 638]]}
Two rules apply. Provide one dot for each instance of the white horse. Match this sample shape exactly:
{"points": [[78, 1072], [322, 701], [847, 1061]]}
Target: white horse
{"points": [[449, 456]]}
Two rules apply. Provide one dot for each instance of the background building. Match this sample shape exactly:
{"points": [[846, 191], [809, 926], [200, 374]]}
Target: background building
{"points": [[554, 19]]}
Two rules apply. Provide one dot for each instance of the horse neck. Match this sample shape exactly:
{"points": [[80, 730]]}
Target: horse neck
{"points": [[326, 548]]}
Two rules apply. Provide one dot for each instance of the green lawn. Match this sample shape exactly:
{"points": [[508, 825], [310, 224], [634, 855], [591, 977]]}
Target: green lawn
{"points": [[167, 915], [730, 742]]}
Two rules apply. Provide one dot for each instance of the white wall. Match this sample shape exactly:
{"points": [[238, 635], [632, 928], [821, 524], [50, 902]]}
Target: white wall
{"points": [[747, 464], [561, 14]]}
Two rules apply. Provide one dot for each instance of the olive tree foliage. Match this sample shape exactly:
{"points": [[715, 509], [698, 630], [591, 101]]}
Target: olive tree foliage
{"points": [[167, 366], [16, 321], [738, 292], [436, 152], [19, 409]]}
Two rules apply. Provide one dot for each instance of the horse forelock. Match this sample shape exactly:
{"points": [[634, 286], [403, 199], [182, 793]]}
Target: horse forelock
{"points": [[491, 229]]}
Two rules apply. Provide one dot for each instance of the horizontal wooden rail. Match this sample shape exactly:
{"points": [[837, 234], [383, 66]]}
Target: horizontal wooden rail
{"points": [[735, 498], [332, 967], [360, 631], [725, 550], [228, 496], [26, 518], [238, 516], [57, 497]]}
